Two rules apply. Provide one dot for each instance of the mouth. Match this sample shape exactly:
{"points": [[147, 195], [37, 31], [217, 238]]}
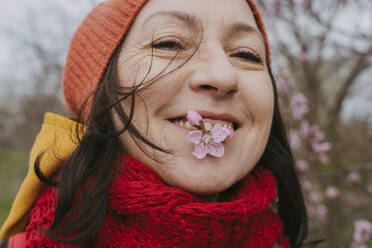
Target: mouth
{"points": [[211, 120]]}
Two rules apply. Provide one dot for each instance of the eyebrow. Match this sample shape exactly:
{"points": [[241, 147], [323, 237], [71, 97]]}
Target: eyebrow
{"points": [[192, 21], [240, 27], [188, 19]]}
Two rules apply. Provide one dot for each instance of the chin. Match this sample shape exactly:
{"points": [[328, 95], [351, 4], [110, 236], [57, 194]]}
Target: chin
{"points": [[201, 181]]}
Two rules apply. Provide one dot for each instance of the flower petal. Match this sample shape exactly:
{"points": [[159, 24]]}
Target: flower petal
{"points": [[219, 134], [193, 117], [216, 149], [200, 151], [228, 131], [195, 136]]}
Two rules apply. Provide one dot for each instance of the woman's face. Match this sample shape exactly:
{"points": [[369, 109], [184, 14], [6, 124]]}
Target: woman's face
{"points": [[226, 77]]}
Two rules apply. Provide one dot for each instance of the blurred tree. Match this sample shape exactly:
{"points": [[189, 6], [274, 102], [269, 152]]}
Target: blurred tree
{"points": [[38, 46], [322, 50]]}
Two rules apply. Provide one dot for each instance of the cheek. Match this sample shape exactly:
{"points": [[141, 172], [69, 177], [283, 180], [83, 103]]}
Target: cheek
{"points": [[133, 69], [140, 67], [258, 97]]}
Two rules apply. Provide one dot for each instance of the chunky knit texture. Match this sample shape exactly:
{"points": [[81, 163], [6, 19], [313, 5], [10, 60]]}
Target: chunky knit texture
{"points": [[144, 212], [96, 40]]}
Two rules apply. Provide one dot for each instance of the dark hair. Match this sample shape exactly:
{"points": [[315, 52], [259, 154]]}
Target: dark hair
{"points": [[97, 149]]}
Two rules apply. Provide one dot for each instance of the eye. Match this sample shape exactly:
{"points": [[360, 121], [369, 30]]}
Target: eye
{"points": [[248, 55], [168, 44]]}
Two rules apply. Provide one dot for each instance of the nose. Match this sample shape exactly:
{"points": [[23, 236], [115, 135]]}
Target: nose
{"points": [[213, 74]]}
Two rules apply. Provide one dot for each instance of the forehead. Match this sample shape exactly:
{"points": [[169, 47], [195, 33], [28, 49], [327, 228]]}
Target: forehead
{"points": [[208, 12]]}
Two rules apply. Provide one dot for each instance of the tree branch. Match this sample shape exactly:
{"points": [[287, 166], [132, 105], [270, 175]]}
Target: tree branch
{"points": [[361, 64]]}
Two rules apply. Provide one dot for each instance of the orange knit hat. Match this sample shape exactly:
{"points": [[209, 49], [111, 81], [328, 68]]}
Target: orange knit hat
{"points": [[96, 40]]}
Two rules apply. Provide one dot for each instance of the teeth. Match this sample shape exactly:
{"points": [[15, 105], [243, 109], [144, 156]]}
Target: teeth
{"points": [[187, 125], [208, 126], [217, 125]]}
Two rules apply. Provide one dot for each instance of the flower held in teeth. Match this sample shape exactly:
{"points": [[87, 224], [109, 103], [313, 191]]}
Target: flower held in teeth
{"points": [[194, 118], [206, 141]]}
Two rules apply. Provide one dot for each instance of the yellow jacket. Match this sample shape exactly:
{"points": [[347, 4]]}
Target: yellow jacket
{"points": [[57, 140]]}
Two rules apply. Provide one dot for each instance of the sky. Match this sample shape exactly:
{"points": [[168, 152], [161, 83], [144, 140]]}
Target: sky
{"points": [[13, 16]]}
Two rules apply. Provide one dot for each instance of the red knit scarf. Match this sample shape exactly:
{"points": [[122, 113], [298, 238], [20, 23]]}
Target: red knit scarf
{"points": [[144, 212]]}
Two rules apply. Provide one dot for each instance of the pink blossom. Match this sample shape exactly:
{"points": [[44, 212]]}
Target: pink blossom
{"points": [[194, 118], [294, 140], [332, 192], [362, 232], [353, 177], [320, 147], [315, 197], [283, 85], [316, 134], [323, 158], [305, 129], [321, 211], [369, 188], [311, 210], [306, 185], [206, 141], [299, 106], [304, 56], [302, 165]]}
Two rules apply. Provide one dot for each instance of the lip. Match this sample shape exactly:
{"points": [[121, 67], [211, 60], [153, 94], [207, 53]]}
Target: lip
{"points": [[213, 116]]}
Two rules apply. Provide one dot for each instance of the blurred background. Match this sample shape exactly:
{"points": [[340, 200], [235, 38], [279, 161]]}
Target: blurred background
{"points": [[322, 60]]}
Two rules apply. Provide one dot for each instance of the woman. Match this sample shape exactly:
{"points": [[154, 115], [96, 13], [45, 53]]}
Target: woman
{"points": [[182, 143]]}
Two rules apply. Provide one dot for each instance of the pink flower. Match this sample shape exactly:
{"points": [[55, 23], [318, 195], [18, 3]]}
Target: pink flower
{"points": [[299, 106], [323, 158], [332, 192], [311, 210], [194, 118], [369, 188], [304, 56], [316, 133], [305, 129], [321, 211], [294, 140], [353, 177], [315, 197], [302, 165], [283, 85], [363, 230], [206, 141], [320, 147], [306, 185]]}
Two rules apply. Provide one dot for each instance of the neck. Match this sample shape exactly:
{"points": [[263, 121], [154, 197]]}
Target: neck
{"points": [[209, 198]]}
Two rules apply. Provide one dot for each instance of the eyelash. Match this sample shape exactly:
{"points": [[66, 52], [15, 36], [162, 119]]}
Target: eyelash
{"points": [[168, 44], [247, 55]]}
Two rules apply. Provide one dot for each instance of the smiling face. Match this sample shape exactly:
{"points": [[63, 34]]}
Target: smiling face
{"points": [[225, 80]]}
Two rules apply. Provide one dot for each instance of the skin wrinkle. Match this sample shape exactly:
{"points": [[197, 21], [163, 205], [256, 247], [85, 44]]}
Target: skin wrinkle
{"points": [[190, 20], [234, 85]]}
